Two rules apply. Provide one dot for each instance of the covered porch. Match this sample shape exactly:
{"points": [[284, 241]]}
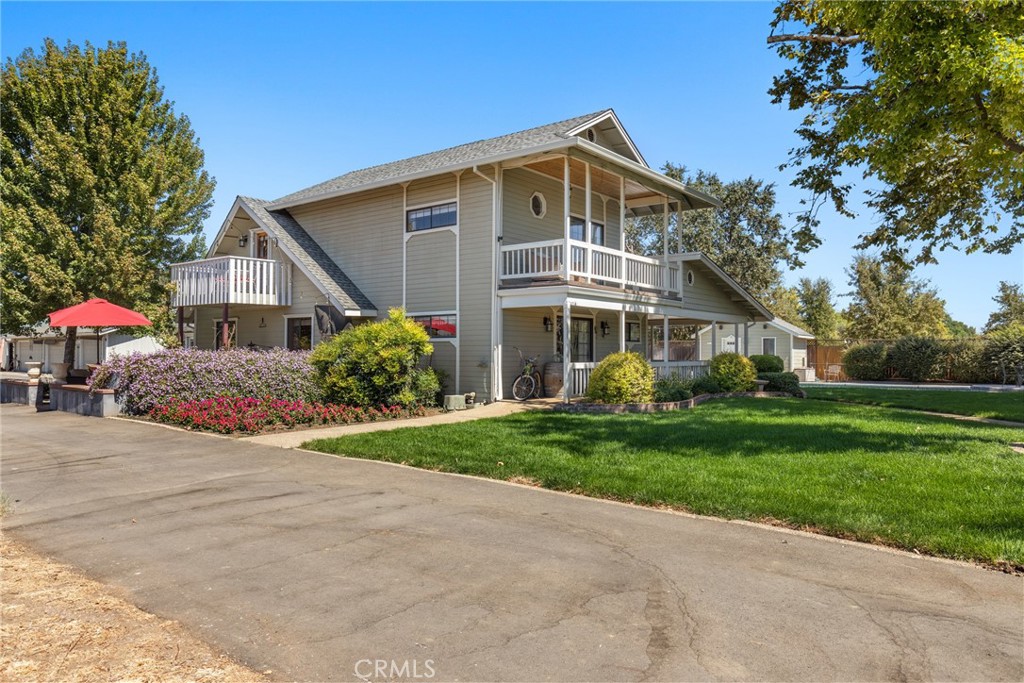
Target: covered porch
{"points": [[569, 331]]}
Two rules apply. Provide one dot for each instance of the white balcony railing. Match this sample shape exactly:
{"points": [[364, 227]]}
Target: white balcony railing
{"points": [[232, 280], [588, 262]]}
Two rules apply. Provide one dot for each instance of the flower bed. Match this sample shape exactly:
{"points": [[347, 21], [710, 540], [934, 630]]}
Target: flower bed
{"points": [[229, 415]]}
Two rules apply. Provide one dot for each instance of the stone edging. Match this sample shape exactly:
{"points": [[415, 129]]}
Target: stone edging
{"points": [[620, 408]]}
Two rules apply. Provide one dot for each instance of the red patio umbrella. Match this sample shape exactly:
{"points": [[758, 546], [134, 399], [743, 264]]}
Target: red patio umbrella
{"points": [[97, 313]]}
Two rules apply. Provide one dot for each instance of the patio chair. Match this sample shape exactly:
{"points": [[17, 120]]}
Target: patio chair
{"points": [[833, 372]]}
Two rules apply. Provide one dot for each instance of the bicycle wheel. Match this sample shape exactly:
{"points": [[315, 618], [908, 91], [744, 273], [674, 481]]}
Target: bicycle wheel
{"points": [[523, 387], [538, 384]]}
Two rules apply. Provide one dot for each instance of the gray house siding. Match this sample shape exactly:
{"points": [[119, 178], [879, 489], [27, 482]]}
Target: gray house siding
{"points": [[476, 292]]}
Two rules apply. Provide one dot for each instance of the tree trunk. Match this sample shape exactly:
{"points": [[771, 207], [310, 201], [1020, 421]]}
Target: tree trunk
{"points": [[69, 347]]}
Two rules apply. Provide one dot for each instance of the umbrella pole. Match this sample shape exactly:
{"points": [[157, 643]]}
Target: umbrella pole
{"points": [[98, 359]]}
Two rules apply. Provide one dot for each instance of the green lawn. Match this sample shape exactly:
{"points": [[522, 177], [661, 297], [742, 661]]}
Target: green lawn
{"points": [[873, 474], [1004, 405]]}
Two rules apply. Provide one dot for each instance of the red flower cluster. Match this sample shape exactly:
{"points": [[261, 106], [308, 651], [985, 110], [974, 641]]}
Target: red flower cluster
{"points": [[228, 415]]}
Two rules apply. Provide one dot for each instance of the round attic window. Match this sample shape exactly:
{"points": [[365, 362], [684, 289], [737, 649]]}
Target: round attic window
{"points": [[689, 277], [591, 135], [538, 205]]}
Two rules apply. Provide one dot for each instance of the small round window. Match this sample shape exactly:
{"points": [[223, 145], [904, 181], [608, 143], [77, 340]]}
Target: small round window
{"points": [[538, 205], [689, 277], [591, 135]]}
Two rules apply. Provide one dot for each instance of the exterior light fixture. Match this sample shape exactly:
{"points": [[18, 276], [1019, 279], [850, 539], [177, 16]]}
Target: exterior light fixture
{"points": [[547, 324], [604, 328], [243, 240]]}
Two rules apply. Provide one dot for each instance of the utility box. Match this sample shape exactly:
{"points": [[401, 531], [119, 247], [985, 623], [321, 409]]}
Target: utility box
{"points": [[454, 402]]}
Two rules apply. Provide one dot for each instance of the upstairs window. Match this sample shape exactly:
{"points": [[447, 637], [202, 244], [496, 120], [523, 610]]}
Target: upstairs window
{"points": [[578, 231], [438, 326], [439, 216]]}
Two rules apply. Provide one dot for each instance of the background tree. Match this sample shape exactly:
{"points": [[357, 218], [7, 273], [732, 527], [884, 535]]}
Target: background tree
{"points": [[102, 184], [746, 236], [888, 302], [817, 309], [959, 330], [784, 302], [926, 99], [1010, 307]]}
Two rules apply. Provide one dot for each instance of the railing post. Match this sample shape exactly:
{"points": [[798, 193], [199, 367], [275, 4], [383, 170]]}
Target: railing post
{"points": [[566, 350], [567, 189]]}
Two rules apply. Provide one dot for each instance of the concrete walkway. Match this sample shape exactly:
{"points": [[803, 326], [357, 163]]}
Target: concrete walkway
{"points": [[309, 565], [293, 439]]}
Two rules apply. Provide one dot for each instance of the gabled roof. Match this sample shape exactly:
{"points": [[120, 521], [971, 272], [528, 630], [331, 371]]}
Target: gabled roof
{"points": [[453, 157], [303, 250], [752, 304], [781, 324]]}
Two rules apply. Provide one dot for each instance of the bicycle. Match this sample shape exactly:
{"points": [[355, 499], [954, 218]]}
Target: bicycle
{"points": [[529, 382]]}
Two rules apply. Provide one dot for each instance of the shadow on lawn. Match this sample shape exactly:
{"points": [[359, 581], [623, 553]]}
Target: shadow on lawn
{"points": [[752, 428]]}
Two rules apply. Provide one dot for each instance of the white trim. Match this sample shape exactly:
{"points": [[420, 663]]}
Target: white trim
{"points": [[439, 202], [543, 205], [775, 349], [253, 232], [618, 124], [458, 323]]}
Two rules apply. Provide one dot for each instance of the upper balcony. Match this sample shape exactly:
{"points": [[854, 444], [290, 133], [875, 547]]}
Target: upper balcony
{"points": [[232, 280], [544, 262]]}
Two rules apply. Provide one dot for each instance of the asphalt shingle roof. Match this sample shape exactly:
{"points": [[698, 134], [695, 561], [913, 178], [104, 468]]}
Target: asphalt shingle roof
{"points": [[304, 248], [445, 158]]}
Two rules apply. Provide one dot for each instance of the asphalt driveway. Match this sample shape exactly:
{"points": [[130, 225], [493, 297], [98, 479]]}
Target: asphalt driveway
{"points": [[317, 567]]}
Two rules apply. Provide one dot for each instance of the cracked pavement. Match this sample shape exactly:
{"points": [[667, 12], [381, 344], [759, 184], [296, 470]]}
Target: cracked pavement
{"points": [[304, 564]]}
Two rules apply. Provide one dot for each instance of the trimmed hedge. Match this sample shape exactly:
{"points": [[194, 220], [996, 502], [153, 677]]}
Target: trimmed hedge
{"points": [[624, 377], [733, 372], [143, 381], [786, 382], [767, 363], [672, 389], [915, 358], [866, 362]]}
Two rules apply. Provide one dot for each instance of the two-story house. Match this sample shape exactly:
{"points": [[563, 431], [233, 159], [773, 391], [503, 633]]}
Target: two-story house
{"points": [[514, 241]]}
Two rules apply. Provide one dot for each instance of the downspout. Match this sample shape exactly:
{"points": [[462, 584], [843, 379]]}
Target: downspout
{"points": [[495, 264]]}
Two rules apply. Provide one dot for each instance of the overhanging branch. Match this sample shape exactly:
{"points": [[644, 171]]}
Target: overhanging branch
{"points": [[814, 38], [1011, 144]]}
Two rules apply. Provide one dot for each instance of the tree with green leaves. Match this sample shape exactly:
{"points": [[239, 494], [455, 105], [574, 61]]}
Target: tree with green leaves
{"points": [[959, 330], [102, 184], [783, 302], [1010, 307], [745, 236], [817, 308], [888, 302], [926, 101]]}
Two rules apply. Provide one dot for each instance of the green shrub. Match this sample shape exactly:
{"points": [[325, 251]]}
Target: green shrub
{"points": [[733, 372], [786, 382], [1004, 352], [373, 364], [705, 385], [915, 358], [428, 387], [963, 360], [866, 362], [622, 378], [767, 363], [672, 389]]}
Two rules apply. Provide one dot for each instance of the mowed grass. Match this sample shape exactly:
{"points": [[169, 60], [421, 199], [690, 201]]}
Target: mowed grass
{"points": [[913, 481], [1003, 405]]}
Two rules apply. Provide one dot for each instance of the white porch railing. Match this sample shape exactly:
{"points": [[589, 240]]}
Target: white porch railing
{"points": [[588, 261], [232, 280], [579, 373]]}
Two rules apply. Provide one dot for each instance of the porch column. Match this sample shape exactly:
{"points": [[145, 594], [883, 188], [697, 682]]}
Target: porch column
{"points": [[566, 189], [181, 325], [664, 344], [622, 215], [714, 338], [622, 331], [746, 338], [736, 339], [588, 227], [225, 334], [566, 351], [664, 231], [679, 237]]}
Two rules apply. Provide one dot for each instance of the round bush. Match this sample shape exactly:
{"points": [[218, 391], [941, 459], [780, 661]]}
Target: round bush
{"points": [[767, 363], [622, 378], [733, 372], [786, 382], [915, 358], [866, 362]]}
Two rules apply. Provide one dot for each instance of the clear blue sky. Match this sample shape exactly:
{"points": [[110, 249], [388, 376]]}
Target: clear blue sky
{"points": [[285, 95]]}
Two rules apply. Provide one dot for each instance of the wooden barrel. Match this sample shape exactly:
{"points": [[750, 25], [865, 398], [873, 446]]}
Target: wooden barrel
{"points": [[553, 379]]}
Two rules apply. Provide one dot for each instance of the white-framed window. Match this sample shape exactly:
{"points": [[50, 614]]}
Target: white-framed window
{"points": [[298, 332], [538, 205], [259, 245], [729, 344], [439, 325], [578, 231], [428, 217], [581, 338], [768, 346], [218, 328], [689, 277]]}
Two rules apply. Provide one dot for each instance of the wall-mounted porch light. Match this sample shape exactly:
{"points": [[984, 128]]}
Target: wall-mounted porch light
{"points": [[604, 328], [242, 241], [263, 322], [547, 324]]}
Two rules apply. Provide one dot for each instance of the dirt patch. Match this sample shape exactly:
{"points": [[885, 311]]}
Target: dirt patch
{"points": [[60, 626]]}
